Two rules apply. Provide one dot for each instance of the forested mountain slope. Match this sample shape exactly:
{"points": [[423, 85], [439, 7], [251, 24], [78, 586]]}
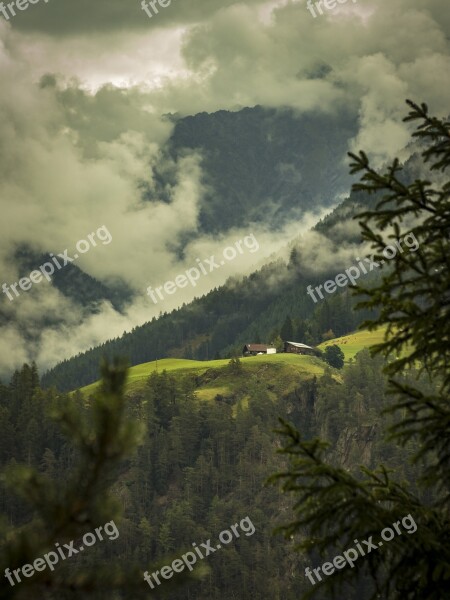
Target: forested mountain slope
{"points": [[250, 309], [258, 166], [204, 463], [221, 322], [265, 165]]}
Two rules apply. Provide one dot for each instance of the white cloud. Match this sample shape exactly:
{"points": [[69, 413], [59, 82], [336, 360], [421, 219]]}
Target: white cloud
{"points": [[72, 160]]}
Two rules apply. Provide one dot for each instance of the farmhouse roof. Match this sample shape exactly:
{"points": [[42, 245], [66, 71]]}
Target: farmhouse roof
{"points": [[257, 347], [298, 345]]}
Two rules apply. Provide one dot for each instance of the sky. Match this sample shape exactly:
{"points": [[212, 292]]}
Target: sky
{"points": [[86, 86]]}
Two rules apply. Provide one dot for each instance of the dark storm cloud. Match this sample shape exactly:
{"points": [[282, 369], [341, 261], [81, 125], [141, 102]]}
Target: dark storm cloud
{"points": [[65, 17]]}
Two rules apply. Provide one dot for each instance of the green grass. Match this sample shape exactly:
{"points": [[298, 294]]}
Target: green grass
{"points": [[353, 343], [139, 373], [284, 369], [296, 365]]}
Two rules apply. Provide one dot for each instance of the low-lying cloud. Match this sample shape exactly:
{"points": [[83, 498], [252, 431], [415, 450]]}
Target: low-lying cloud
{"points": [[83, 126]]}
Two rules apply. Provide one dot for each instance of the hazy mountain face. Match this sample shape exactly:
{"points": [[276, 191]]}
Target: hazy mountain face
{"points": [[242, 310], [266, 166], [253, 308], [259, 168]]}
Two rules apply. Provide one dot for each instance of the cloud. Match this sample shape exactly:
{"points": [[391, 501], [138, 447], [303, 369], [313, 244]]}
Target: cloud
{"points": [[64, 17], [71, 162], [86, 90]]}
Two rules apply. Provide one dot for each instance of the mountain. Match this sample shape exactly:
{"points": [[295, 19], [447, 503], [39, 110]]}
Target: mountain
{"points": [[249, 309], [222, 321], [73, 282], [259, 165], [265, 165]]}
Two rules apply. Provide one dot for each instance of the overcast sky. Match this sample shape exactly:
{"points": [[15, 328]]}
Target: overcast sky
{"points": [[85, 85]]}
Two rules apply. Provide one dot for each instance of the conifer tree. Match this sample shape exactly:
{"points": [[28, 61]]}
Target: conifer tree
{"points": [[61, 511], [334, 507], [287, 330]]}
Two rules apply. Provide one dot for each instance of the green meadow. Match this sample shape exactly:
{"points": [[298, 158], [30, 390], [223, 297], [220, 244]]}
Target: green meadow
{"points": [[214, 378], [353, 343]]}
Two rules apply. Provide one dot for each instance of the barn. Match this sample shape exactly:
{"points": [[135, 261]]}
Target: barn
{"points": [[297, 348], [254, 349]]}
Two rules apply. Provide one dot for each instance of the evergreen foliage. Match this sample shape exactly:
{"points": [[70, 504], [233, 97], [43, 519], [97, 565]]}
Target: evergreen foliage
{"points": [[201, 467], [334, 356], [287, 330], [242, 184], [66, 495], [219, 324], [333, 507]]}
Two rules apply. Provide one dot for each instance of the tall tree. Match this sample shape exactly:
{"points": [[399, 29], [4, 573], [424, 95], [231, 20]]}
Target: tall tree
{"points": [[413, 299], [287, 330], [300, 330], [334, 356], [63, 511]]}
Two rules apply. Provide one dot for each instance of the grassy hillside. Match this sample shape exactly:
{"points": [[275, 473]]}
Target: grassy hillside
{"points": [[353, 343], [215, 378], [281, 371]]}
